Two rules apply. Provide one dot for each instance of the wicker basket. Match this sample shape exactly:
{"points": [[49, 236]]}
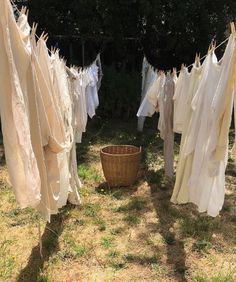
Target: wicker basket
{"points": [[120, 164]]}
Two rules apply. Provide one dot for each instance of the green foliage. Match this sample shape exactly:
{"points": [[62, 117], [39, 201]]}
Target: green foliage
{"points": [[120, 92], [168, 32]]}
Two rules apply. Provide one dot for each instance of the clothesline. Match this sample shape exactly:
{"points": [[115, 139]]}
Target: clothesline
{"points": [[201, 57], [38, 37], [206, 54]]}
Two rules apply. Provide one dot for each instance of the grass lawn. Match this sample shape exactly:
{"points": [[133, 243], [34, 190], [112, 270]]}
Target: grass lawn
{"points": [[122, 234]]}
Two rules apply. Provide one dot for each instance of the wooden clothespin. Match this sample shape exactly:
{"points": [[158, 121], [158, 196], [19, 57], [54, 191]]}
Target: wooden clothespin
{"points": [[34, 28], [23, 10], [197, 60], [44, 36], [232, 28], [212, 46]]}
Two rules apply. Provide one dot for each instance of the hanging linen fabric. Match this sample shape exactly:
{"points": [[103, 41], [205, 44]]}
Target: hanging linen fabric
{"points": [[100, 73], [20, 156], [180, 100], [37, 114], [92, 101], [181, 188], [79, 81], [206, 141], [148, 77], [146, 109], [160, 96], [61, 86]]}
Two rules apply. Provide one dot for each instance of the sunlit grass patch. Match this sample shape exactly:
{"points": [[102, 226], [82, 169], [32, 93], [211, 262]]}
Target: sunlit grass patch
{"points": [[87, 173], [107, 242], [220, 277], [91, 210], [7, 260], [100, 223], [44, 277]]}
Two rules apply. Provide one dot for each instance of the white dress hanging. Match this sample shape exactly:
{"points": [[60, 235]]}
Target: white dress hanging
{"points": [[180, 193]]}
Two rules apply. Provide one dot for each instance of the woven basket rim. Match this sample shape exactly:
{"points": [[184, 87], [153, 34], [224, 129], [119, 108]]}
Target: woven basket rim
{"points": [[118, 155]]}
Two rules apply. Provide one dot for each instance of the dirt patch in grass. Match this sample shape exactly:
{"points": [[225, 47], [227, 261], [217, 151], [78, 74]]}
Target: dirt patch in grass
{"points": [[120, 234]]}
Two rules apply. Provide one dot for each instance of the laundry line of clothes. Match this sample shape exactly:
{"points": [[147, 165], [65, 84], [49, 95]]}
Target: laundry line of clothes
{"points": [[44, 111], [197, 104]]}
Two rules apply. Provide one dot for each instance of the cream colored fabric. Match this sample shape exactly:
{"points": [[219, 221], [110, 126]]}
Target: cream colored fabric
{"points": [[14, 64], [180, 193], [60, 86], [180, 100], [79, 82], [37, 118], [209, 126], [223, 101]]}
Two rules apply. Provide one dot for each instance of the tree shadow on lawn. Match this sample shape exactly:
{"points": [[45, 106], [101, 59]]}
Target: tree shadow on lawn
{"points": [[167, 214], [50, 245], [200, 227]]}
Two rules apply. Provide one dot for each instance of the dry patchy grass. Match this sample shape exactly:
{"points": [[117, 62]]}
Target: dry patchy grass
{"points": [[122, 234]]}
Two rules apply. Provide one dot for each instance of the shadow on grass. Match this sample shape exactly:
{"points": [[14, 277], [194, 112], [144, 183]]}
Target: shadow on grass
{"points": [[166, 213], [50, 245], [192, 224], [116, 192]]}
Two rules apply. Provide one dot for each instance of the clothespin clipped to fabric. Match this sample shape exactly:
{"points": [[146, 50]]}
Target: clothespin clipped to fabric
{"points": [[197, 60], [232, 28], [34, 28], [22, 11], [174, 71], [212, 46], [44, 36], [183, 66]]}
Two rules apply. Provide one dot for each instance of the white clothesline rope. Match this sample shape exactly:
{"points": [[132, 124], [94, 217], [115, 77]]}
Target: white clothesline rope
{"points": [[200, 59]]}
